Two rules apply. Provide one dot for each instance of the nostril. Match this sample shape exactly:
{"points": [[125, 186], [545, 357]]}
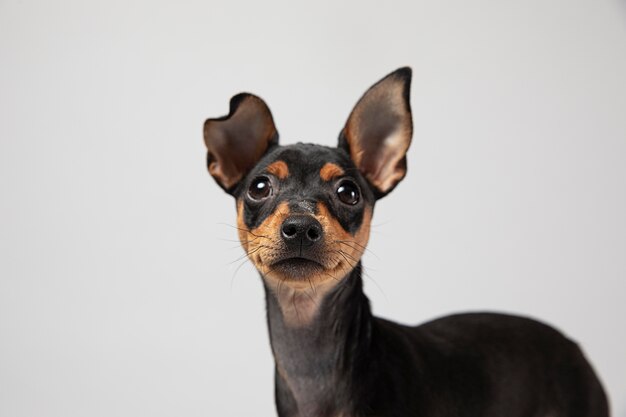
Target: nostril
{"points": [[289, 230], [313, 234], [301, 228]]}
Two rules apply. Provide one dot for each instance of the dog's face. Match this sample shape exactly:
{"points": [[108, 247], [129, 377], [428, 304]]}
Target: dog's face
{"points": [[304, 211], [303, 214]]}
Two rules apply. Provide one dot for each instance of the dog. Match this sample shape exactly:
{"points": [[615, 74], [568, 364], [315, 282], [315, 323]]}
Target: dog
{"points": [[303, 219]]}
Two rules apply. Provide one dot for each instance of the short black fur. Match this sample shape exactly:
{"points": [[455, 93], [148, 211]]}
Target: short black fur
{"points": [[478, 364], [344, 362]]}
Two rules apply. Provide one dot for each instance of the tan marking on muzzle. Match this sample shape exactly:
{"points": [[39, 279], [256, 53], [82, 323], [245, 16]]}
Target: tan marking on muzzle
{"points": [[299, 299], [330, 171], [348, 247], [263, 243], [278, 169]]}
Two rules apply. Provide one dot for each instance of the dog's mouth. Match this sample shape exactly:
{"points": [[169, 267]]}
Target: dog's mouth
{"points": [[297, 267]]}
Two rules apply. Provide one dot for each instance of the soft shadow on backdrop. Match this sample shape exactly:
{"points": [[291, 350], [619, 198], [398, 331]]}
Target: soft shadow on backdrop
{"points": [[117, 291]]}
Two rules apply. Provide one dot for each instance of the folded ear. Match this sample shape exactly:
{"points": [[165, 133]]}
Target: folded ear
{"points": [[378, 132], [236, 142]]}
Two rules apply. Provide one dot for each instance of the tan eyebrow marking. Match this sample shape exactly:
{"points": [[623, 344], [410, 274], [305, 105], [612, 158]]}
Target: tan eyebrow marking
{"points": [[330, 171], [279, 169]]}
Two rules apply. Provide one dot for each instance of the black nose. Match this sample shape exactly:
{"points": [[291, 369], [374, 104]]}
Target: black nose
{"points": [[301, 229]]}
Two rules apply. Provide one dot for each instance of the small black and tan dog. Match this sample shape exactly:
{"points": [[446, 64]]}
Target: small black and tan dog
{"points": [[303, 215]]}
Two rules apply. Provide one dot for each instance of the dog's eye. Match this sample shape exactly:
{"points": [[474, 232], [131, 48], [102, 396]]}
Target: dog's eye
{"points": [[348, 192], [260, 188]]}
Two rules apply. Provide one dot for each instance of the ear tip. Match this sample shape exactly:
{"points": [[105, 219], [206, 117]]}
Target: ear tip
{"points": [[242, 96], [237, 99], [247, 99], [404, 72]]}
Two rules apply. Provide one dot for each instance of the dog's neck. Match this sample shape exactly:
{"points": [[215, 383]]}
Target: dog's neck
{"points": [[319, 360]]}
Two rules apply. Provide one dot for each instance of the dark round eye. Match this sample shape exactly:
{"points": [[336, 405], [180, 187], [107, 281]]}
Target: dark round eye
{"points": [[260, 188], [348, 192]]}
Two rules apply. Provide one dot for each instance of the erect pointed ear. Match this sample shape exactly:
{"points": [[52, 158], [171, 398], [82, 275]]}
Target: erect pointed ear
{"points": [[236, 142], [378, 132]]}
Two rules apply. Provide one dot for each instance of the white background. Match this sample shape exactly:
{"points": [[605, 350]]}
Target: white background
{"points": [[117, 292]]}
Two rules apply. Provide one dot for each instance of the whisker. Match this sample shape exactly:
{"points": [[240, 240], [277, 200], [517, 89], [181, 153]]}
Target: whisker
{"points": [[380, 224], [248, 253], [365, 248], [232, 278], [363, 271], [313, 300], [368, 276], [295, 306], [243, 262], [346, 259], [226, 240], [355, 260], [281, 280], [243, 230], [331, 275]]}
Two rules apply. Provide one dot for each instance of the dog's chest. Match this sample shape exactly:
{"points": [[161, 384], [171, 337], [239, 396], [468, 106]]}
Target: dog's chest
{"points": [[316, 394]]}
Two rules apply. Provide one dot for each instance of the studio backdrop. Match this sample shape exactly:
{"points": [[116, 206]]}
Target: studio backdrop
{"points": [[123, 289]]}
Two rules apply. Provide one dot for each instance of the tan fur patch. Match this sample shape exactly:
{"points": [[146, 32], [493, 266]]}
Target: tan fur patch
{"points": [[262, 243], [350, 248], [330, 171], [278, 169], [299, 298]]}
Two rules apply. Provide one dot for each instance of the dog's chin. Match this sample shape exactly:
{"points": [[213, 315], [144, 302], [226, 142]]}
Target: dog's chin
{"points": [[297, 268]]}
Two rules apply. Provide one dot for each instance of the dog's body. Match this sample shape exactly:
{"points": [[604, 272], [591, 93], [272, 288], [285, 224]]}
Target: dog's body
{"points": [[304, 214]]}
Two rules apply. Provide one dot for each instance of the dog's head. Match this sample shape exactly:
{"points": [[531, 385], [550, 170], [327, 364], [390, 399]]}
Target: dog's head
{"points": [[304, 211]]}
